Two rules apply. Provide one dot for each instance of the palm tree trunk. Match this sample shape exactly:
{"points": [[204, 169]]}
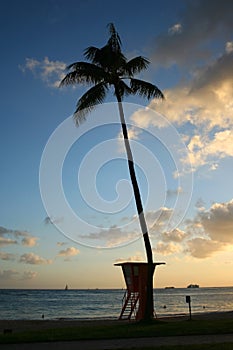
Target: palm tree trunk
{"points": [[149, 302]]}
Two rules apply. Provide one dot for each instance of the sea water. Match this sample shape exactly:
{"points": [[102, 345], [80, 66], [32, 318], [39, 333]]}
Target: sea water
{"points": [[106, 303]]}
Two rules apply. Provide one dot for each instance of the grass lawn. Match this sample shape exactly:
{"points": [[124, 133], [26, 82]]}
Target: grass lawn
{"points": [[219, 346], [130, 330]]}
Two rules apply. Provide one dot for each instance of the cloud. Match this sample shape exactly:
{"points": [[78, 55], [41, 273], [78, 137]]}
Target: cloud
{"points": [[205, 150], [201, 103], [29, 241], [157, 223], [137, 257], [6, 256], [212, 230], [11, 274], [208, 233], [172, 193], [175, 29], [22, 237], [71, 251], [229, 47], [50, 72], [202, 248], [201, 23], [214, 81], [7, 241], [133, 134], [60, 244], [203, 107], [144, 117], [200, 204], [158, 220], [218, 222], [111, 237], [166, 248], [16, 233], [29, 275], [8, 274], [33, 259], [51, 220], [130, 231], [175, 235], [30, 64], [159, 216], [204, 100]]}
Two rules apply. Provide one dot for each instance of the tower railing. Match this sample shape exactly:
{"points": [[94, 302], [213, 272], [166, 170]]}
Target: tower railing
{"points": [[129, 305]]}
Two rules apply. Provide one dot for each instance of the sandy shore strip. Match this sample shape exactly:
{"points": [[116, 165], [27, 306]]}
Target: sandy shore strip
{"points": [[25, 325]]}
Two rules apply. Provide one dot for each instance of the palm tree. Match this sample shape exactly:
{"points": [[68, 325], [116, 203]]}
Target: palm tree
{"points": [[108, 68]]}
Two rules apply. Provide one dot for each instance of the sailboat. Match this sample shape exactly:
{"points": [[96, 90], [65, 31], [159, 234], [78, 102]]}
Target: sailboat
{"points": [[66, 287]]}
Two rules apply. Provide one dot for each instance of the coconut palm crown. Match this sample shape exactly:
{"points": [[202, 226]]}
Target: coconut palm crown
{"points": [[108, 69]]}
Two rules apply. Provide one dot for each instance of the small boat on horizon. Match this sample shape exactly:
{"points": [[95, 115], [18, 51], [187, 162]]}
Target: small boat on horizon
{"points": [[66, 287]]}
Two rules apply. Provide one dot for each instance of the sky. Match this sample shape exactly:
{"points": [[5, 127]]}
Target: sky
{"points": [[67, 208]]}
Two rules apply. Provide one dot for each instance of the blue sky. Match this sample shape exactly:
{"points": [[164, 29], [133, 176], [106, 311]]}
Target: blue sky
{"points": [[183, 155]]}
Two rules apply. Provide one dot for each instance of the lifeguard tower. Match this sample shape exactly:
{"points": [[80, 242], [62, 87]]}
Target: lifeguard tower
{"points": [[134, 300]]}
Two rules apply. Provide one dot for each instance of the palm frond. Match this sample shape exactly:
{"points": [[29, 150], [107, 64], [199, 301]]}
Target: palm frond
{"points": [[107, 67], [83, 72], [114, 41], [136, 65], [89, 100], [91, 52], [123, 89], [145, 89], [108, 59]]}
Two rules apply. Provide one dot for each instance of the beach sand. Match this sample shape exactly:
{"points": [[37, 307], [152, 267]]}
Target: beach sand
{"points": [[25, 325]]}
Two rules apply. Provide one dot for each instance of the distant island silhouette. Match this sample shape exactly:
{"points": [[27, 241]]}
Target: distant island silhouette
{"points": [[193, 286]]}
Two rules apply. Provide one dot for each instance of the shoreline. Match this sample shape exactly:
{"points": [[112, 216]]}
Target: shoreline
{"points": [[33, 325]]}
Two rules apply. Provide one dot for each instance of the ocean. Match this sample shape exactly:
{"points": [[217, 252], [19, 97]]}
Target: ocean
{"points": [[28, 304]]}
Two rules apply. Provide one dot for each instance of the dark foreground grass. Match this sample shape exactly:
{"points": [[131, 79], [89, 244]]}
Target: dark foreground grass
{"points": [[221, 346], [131, 330]]}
